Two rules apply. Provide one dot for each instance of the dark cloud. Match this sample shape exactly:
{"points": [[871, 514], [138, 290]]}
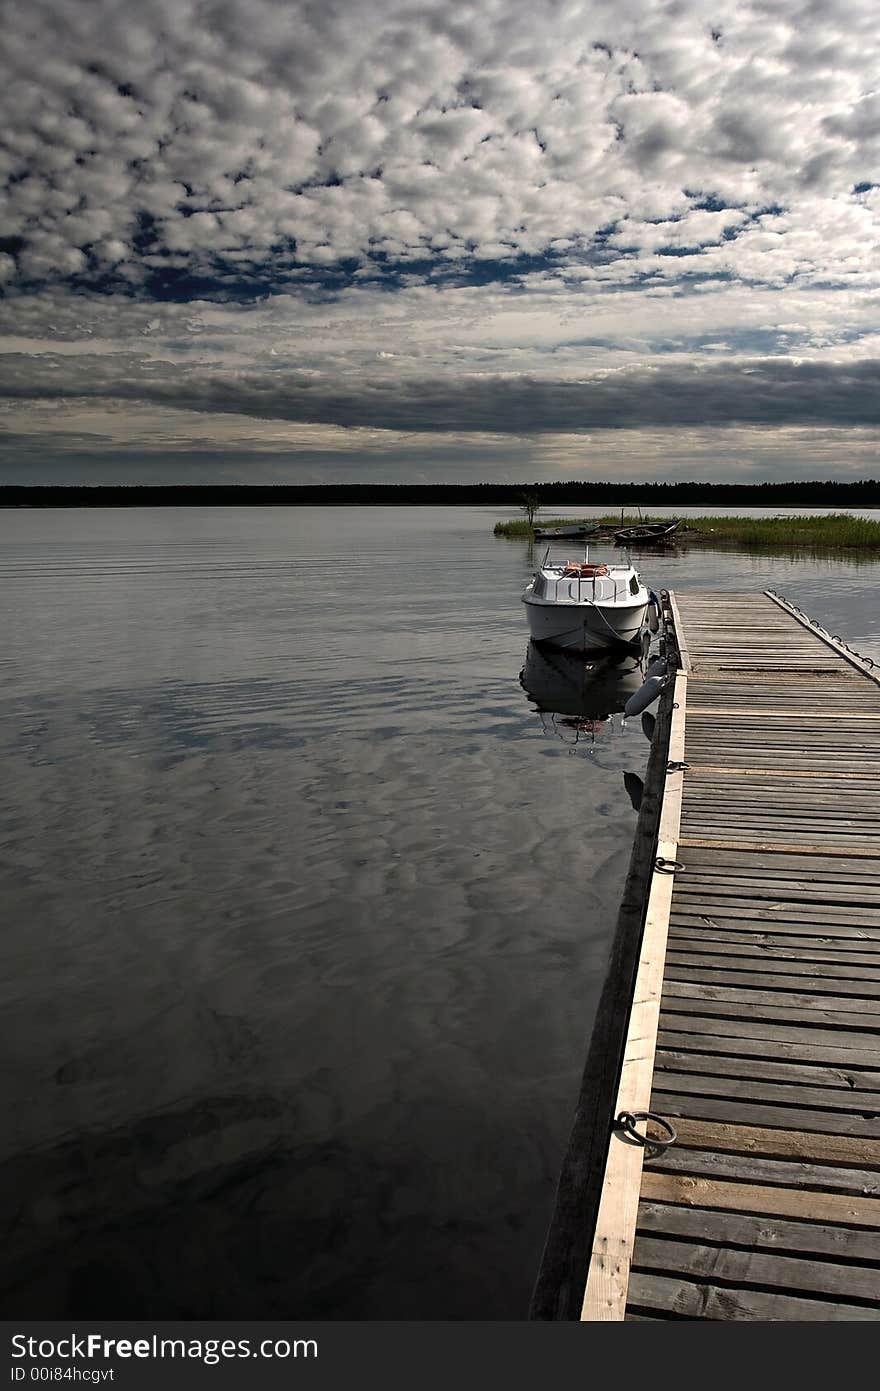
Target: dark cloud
{"points": [[770, 392]]}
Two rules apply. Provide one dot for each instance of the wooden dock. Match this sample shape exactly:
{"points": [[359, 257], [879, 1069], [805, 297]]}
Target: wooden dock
{"points": [[755, 1021], [755, 1027]]}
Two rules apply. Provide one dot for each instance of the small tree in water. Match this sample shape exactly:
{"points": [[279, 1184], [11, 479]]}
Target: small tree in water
{"points": [[530, 505]]}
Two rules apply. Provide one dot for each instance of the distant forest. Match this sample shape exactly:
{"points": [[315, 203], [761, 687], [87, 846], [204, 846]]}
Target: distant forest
{"points": [[502, 495]]}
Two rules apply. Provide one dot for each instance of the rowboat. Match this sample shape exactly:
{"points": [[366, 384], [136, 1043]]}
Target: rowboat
{"points": [[565, 533], [646, 534]]}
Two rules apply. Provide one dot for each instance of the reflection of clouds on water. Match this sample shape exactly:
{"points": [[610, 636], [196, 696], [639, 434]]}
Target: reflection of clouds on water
{"points": [[348, 932], [264, 1204]]}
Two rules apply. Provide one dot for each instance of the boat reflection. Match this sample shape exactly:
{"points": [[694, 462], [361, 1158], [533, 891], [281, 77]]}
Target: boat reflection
{"points": [[577, 698]]}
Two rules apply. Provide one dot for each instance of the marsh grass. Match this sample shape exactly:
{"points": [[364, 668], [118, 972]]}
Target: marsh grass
{"points": [[521, 527], [828, 531]]}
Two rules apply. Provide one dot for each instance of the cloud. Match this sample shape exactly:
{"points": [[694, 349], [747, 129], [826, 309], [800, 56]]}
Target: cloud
{"points": [[770, 391], [401, 215], [301, 135]]}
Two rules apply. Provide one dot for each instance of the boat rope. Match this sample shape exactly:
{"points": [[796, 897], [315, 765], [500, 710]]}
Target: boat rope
{"points": [[612, 630]]}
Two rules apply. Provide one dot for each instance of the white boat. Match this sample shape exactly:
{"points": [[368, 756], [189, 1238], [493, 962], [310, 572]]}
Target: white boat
{"points": [[584, 607]]}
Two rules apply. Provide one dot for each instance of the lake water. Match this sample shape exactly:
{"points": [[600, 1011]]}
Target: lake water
{"points": [[306, 906]]}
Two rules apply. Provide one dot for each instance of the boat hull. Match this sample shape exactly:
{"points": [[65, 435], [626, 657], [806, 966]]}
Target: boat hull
{"points": [[565, 533], [585, 627]]}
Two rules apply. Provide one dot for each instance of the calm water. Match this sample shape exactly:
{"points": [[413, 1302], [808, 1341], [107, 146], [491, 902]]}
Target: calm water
{"points": [[306, 906]]}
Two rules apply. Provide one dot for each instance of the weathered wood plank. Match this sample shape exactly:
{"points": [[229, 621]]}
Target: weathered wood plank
{"points": [[750, 792], [746, 1026], [778, 1070], [805, 715], [733, 1111], [781, 884], [731, 921], [771, 807], [767, 973], [808, 864], [705, 1004], [842, 831], [732, 900], [790, 1001], [770, 947], [841, 779], [778, 890], [759, 1270], [694, 1301], [747, 794], [759, 1233], [807, 1205], [751, 799], [841, 754], [756, 1090], [736, 1045], [818, 1147]]}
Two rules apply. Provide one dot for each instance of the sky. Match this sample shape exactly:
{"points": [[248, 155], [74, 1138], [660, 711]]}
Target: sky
{"points": [[305, 241]]}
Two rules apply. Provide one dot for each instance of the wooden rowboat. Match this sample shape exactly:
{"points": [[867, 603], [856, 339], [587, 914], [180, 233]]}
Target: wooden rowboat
{"points": [[566, 533], [646, 534]]}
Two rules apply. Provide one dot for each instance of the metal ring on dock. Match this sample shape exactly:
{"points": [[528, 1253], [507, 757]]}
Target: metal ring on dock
{"points": [[667, 866], [626, 1122]]}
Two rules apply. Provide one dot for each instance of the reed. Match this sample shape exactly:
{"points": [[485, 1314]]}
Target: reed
{"points": [[824, 531], [814, 532]]}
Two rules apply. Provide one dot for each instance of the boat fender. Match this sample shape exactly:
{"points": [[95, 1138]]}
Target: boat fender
{"points": [[645, 695], [654, 613], [657, 667]]}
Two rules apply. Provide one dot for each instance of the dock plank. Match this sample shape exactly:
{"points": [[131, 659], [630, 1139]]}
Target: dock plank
{"points": [[757, 1233], [758, 1269], [685, 1299]]}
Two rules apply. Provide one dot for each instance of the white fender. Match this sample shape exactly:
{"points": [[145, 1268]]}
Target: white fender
{"points": [[645, 695], [654, 613]]}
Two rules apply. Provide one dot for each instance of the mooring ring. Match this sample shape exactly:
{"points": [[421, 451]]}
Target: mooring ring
{"points": [[626, 1122], [668, 866]]}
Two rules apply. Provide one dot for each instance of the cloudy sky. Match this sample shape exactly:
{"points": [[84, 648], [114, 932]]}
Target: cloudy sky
{"points": [[382, 240]]}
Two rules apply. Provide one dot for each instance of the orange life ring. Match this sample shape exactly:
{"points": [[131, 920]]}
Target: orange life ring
{"points": [[587, 572]]}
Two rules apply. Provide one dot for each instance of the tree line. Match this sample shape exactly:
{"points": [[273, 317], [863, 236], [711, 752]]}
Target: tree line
{"points": [[819, 493]]}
